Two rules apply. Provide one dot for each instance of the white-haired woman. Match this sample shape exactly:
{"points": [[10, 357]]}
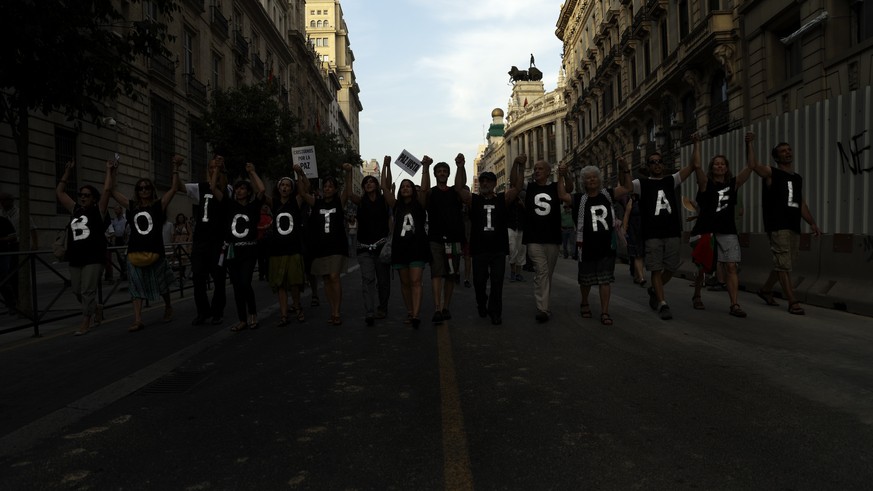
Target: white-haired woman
{"points": [[595, 232]]}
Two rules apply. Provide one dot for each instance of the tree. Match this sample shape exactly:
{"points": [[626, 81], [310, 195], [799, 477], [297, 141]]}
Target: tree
{"points": [[247, 124], [72, 58], [331, 153]]}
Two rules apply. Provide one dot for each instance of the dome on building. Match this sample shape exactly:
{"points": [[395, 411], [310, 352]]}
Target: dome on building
{"points": [[497, 113]]}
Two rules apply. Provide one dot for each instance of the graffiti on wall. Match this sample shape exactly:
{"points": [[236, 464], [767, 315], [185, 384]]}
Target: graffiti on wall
{"points": [[852, 160]]}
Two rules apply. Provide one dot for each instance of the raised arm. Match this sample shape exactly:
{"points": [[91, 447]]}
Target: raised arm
{"points": [[390, 199], [563, 195], [119, 197], [425, 181], [348, 193], [60, 190], [174, 186], [107, 188], [214, 176], [752, 161], [686, 171], [461, 179], [257, 183], [698, 167], [516, 178], [302, 183]]}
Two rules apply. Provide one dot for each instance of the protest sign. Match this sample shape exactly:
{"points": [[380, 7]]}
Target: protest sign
{"points": [[305, 158], [408, 163]]}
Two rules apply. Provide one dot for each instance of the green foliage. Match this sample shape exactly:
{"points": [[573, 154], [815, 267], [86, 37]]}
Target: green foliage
{"points": [[246, 124], [73, 56]]}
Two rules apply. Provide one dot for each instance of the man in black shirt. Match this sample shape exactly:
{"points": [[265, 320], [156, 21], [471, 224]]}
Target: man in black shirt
{"points": [[445, 233], [783, 205]]}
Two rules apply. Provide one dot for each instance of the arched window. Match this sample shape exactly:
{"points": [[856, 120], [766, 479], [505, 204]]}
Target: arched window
{"points": [[312, 23], [318, 24]]}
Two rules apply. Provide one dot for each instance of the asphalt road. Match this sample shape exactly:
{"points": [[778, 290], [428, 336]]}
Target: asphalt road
{"points": [[704, 401]]}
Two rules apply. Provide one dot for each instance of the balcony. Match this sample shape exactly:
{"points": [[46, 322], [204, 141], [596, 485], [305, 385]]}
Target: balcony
{"points": [[240, 45], [610, 17], [656, 8], [198, 5], [163, 67], [717, 28], [196, 89], [258, 66], [641, 25], [219, 23]]}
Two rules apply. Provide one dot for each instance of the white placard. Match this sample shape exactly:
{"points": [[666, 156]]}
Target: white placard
{"points": [[305, 158], [408, 163]]}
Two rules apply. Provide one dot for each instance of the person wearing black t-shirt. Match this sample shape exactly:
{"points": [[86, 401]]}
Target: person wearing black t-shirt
{"points": [[285, 244], [717, 200], [783, 205], [151, 279], [489, 239], [445, 230], [208, 238], [595, 232], [372, 218], [86, 246], [661, 225]]}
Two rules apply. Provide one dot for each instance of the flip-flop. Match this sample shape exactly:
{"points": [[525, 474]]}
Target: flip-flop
{"points": [[794, 309], [767, 297], [605, 319], [585, 310]]}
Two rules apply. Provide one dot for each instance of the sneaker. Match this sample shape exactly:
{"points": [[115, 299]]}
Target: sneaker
{"points": [[437, 317], [653, 299], [483, 312], [446, 314], [665, 313], [542, 316]]}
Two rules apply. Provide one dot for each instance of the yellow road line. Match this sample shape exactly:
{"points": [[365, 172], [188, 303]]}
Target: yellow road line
{"points": [[456, 470]]}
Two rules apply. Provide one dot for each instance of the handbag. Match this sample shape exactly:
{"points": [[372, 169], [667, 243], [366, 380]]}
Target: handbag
{"points": [[59, 247], [142, 259], [385, 253]]}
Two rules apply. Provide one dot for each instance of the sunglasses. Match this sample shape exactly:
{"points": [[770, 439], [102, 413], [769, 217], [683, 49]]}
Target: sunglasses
{"points": [[655, 161], [85, 195]]}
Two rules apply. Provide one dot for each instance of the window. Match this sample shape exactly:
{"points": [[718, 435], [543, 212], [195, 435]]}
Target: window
{"points": [[792, 60], [311, 12], [607, 99], [318, 42], [256, 42], [318, 24], [312, 23], [188, 51], [862, 21], [647, 58], [618, 86], [65, 151], [237, 20], [665, 48], [197, 151], [162, 139], [633, 71], [324, 42], [684, 20], [714, 5], [216, 72]]}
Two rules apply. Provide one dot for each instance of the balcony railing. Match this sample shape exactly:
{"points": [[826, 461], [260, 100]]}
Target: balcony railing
{"points": [[219, 22], [240, 45], [196, 89], [162, 66]]}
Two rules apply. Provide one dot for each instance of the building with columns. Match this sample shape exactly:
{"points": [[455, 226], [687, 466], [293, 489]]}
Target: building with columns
{"points": [[535, 124]]}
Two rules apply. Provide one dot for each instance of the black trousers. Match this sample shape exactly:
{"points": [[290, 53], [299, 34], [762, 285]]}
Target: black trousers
{"points": [[204, 264], [489, 265], [241, 269]]}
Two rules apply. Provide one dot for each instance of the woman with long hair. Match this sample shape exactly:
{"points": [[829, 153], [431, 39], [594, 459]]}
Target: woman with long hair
{"points": [[717, 201], [410, 249], [86, 246], [148, 273], [244, 212], [285, 246], [373, 217], [331, 246]]}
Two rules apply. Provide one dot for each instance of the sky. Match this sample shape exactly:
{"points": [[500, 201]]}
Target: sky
{"points": [[430, 73]]}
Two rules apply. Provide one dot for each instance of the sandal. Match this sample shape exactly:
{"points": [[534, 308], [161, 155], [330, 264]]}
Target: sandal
{"points": [[136, 326], [335, 320], [408, 319], [253, 322], [283, 321], [736, 311], [81, 332], [239, 326], [314, 302], [585, 310], [697, 303], [767, 297], [793, 308], [605, 319], [300, 316]]}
